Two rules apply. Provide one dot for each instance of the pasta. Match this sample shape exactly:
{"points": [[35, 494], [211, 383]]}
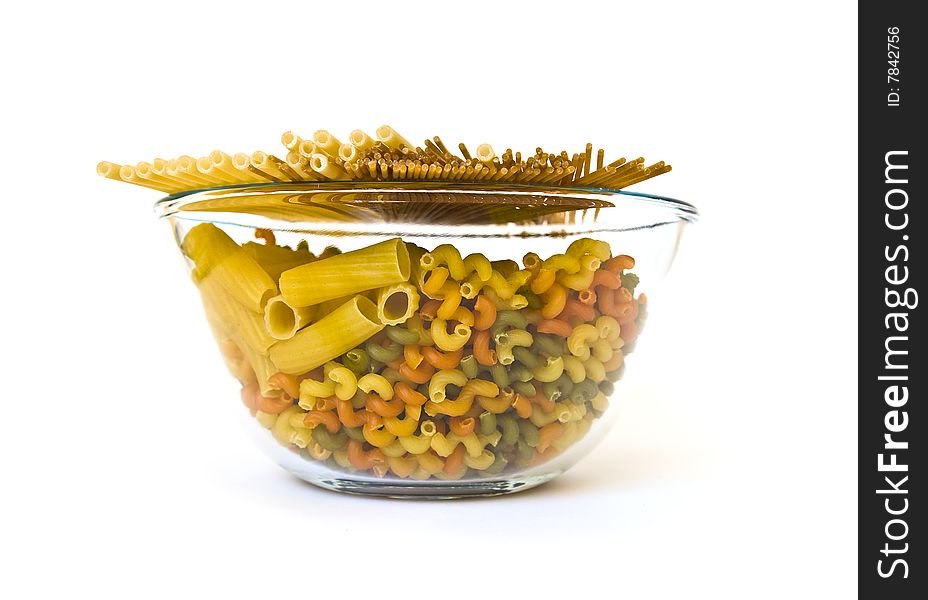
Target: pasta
{"points": [[329, 337], [382, 264], [400, 361]]}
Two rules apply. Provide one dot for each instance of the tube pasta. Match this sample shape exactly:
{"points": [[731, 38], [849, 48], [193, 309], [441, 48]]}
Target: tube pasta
{"points": [[328, 338], [214, 252], [397, 303], [282, 321], [418, 364], [382, 264], [245, 326]]}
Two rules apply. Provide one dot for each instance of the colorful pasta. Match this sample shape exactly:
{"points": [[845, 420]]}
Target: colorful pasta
{"points": [[430, 364]]}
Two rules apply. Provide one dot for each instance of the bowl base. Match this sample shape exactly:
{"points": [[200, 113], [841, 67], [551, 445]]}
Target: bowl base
{"points": [[422, 490]]}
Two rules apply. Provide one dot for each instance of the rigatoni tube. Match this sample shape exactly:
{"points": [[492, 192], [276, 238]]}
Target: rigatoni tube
{"points": [[334, 334], [283, 321], [376, 266], [214, 252]]}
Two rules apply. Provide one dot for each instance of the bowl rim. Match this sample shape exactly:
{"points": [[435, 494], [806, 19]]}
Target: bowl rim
{"points": [[171, 204]]}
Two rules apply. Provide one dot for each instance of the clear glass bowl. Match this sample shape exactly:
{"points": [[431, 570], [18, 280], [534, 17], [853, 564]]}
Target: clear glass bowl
{"points": [[426, 339]]}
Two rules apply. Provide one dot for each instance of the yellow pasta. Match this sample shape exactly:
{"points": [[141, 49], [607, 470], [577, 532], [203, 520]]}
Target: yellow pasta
{"points": [[449, 341], [242, 324], [514, 337], [361, 140], [597, 248], [479, 265], [600, 402], [214, 252], [282, 321], [346, 382], [391, 138], [481, 462], [441, 380], [574, 368], [551, 370], [377, 437], [334, 334], [608, 328], [419, 444], [594, 369], [445, 254], [470, 390], [373, 382], [397, 303], [580, 340], [376, 266]]}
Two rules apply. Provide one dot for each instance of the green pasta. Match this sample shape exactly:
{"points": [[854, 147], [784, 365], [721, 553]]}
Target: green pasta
{"points": [[487, 423], [509, 425], [583, 392], [401, 335], [469, 366], [528, 432], [354, 433], [548, 345], [525, 388], [330, 441], [525, 356], [500, 375], [357, 360], [383, 354]]}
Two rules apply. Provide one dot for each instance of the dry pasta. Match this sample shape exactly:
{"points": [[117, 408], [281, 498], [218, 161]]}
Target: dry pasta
{"points": [[398, 360]]}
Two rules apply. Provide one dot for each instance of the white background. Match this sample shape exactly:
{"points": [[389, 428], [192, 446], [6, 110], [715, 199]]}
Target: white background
{"points": [[731, 472]]}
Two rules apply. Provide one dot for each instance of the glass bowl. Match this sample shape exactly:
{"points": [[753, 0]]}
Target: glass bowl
{"points": [[426, 339]]}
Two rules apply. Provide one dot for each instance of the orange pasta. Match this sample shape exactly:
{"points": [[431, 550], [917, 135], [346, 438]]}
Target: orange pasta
{"points": [[482, 352], [273, 405], [548, 434], [523, 406], [555, 299], [622, 295], [287, 383], [485, 311], [545, 403], [349, 417], [606, 279], [360, 459], [587, 297], [543, 280], [455, 460], [267, 235], [555, 326], [419, 375], [462, 425], [575, 308], [606, 302], [628, 314], [629, 332], [429, 310], [384, 408], [412, 355], [619, 263], [448, 360], [408, 395], [322, 417], [330, 403]]}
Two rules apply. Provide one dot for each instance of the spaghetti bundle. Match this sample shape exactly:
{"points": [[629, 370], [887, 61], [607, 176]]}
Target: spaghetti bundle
{"points": [[386, 156]]}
